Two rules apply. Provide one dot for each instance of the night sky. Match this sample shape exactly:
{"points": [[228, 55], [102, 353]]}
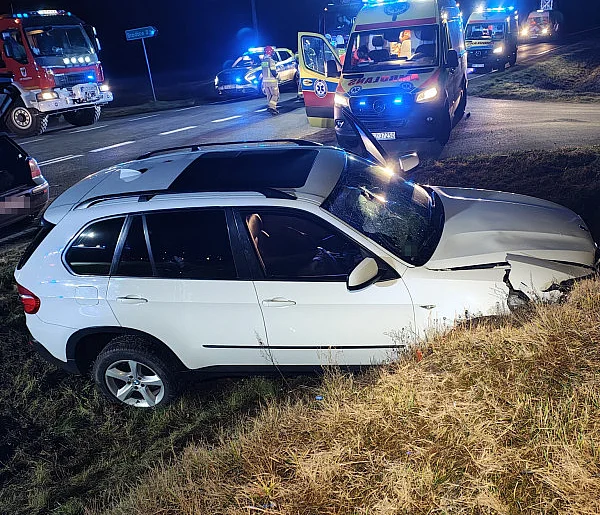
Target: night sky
{"points": [[198, 36]]}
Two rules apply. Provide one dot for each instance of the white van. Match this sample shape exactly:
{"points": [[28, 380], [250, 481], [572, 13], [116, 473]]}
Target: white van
{"points": [[404, 74], [491, 37]]}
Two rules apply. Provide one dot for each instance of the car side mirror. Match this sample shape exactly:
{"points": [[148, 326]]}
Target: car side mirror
{"points": [[332, 69], [452, 59], [363, 275], [409, 162]]}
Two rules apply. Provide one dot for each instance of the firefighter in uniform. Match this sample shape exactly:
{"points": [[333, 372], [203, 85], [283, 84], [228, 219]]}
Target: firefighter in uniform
{"points": [[269, 75]]}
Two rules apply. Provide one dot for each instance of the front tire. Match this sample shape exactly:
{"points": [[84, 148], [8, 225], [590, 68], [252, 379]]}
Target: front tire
{"points": [[129, 371], [25, 122], [83, 117], [444, 127], [462, 106]]}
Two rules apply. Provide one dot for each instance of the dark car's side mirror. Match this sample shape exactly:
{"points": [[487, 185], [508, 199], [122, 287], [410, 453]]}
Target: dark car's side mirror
{"points": [[332, 69], [452, 59]]}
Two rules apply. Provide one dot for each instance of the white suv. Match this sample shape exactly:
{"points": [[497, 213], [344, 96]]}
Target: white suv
{"points": [[243, 257]]}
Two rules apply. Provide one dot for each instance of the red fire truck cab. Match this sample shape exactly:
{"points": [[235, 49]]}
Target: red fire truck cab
{"points": [[53, 57]]}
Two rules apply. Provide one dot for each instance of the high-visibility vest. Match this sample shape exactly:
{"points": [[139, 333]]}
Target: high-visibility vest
{"points": [[269, 71]]}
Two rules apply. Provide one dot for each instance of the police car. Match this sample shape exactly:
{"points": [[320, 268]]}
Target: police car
{"points": [[244, 77]]}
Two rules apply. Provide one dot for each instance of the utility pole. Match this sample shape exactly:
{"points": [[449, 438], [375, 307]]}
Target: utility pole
{"points": [[254, 19]]}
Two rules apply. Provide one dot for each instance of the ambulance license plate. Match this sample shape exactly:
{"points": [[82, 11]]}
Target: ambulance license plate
{"points": [[478, 65], [384, 135]]}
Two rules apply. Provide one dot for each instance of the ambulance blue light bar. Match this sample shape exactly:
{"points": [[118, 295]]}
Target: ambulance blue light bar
{"points": [[383, 2], [256, 50]]}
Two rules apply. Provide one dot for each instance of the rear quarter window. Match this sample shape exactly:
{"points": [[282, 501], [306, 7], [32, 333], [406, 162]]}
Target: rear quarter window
{"points": [[40, 236], [92, 251]]}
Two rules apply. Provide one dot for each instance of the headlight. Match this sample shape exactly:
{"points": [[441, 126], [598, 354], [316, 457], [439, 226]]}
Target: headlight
{"points": [[499, 50], [545, 31], [216, 81], [66, 60], [341, 100], [251, 77], [47, 95], [104, 88], [427, 95], [525, 31]]}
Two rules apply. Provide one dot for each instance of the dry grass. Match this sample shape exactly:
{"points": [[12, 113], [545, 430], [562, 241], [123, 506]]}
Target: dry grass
{"points": [[497, 418]]}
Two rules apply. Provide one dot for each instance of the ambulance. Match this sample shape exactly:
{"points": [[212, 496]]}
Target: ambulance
{"points": [[404, 74], [492, 38]]}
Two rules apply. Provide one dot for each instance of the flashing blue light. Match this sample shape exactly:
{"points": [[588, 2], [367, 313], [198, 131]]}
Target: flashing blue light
{"points": [[25, 15], [91, 78], [255, 81], [362, 103], [238, 80], [398, 100], [19, 15]]}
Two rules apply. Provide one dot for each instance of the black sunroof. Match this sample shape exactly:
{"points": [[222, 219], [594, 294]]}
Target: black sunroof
{"points": [[246, 170]]}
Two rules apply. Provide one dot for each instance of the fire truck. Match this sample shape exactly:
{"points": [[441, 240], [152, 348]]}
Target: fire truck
{"points": [[53, 57]]}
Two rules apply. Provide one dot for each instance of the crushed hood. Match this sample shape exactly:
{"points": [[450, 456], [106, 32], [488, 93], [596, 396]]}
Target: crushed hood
{"points": [[483, 227]]}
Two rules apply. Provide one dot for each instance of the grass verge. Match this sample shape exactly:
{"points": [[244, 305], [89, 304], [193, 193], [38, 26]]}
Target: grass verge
{"points": [[499, 417], [572, 76]]}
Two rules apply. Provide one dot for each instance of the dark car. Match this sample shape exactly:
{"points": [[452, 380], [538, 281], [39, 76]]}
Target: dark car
{"points": [[23, 190]]}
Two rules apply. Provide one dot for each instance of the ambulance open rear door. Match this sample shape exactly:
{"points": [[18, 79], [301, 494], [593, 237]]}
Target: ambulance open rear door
{"points": [[320, 69]]}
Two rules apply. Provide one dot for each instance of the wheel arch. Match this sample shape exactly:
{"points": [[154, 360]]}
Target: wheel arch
{"points": [[84, 345]]}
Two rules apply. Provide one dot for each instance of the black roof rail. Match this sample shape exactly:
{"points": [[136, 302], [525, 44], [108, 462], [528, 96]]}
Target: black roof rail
{"points": [[145, 196], [199, 146]]}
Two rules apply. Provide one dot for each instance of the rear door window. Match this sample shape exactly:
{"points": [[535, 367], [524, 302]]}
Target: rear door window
{"points": [[191, 244], [92, 251], [135, 257]]}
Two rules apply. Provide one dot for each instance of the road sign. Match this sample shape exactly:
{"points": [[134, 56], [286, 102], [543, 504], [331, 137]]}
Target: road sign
{"points": [[141, 33]]}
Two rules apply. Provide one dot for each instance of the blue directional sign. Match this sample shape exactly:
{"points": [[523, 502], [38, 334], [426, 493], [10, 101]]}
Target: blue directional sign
{"points": [[141, 33]]}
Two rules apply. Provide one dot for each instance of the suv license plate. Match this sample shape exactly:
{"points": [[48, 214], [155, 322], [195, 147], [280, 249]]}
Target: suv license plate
{"points": [[384, 135]]}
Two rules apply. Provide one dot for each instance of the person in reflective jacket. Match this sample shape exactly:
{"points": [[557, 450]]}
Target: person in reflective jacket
{"points": [[269, 78]]}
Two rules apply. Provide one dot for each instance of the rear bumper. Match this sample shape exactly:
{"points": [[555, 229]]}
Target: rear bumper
{"points": [[68, 366], [25, 203]]}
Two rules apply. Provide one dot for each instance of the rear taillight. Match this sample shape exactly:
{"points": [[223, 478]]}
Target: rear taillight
{"points": [[31, 303], [34, 167]]}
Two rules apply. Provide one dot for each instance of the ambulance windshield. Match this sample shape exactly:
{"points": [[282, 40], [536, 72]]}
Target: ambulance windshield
{"points": [[58, 41], [389, 49], [490, 31]]}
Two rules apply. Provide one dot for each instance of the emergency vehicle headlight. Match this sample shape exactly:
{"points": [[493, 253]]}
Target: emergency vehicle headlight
{"points": [[545, 31], [341, 100], [216, 81], [47, 95], [250, 77], [66, 60], [104, 88], [525, 31], [427, 95], [499, 49]]}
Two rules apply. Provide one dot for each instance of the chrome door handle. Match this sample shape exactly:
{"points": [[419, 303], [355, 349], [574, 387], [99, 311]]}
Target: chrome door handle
{"points": [[278, 302], [132, 299]]}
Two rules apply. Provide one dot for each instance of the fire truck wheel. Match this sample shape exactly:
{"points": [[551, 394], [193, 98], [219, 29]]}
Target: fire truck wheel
{"points": [[82, 117], [26, 122]]}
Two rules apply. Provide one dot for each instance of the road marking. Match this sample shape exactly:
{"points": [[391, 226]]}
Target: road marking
{"points": [[186, 108], [178, 130], [143, 117], [30, 141], [112, 146], [262, 110], [89, 129], [226, 119], [59, 159]]}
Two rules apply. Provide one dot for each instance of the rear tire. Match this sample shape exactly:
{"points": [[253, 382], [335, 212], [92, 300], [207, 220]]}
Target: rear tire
{"points": [[83, 117], [129, 371], [25, 122], [513, 60]]}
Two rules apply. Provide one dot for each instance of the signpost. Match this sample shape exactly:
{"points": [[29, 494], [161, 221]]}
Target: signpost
{"points": [[143, 33]]}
